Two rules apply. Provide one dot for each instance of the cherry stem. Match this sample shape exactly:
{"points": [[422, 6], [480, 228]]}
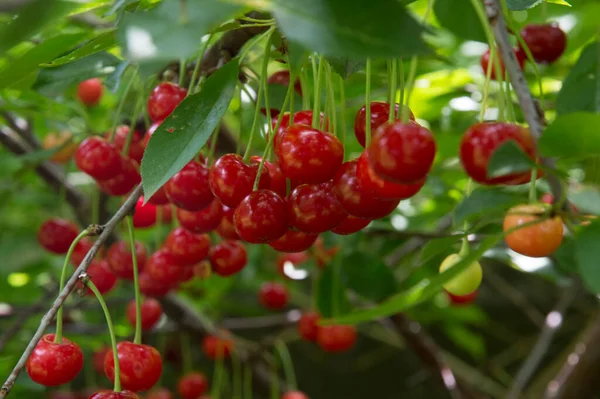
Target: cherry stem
{"points": [[274, 380], [215, 393], [305, 89], [237, 375], [532, 187], [410, 83], [136, 113], [486, 87], [392, 89], [400, 63], [501, 94], [317, 104], [186, 352], [111, 331], [368, 103], [213, 144], [507, 91], [343, 112], [63, 277], [525, 48], [464, 249], [136, 283], [191, 87], [113, 129], [247, 382], [331, 94], [288, 365], [291, 83]]}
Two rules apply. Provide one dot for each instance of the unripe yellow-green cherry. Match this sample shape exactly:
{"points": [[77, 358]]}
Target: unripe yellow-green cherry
{"points": [[467, 281]]}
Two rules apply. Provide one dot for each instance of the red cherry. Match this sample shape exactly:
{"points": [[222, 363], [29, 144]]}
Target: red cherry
{"points": [[189, 189], [81, 249], [164, 99], [380, 188], [261, 217], [546, 42], [402, 152], [150, 132], [277, 179], [231, 180], [203, 221], [283, 78], [141, 366], [218, 346], [308, 327], [89, 92], [98, 158], [98, 358], [144, 215], [300, 118], [293, 241], [462, 299], [151, 287], [485, 60], [354, 199], [227, 258], [313, 208], [336, 338], [108, 394], [186, 247], [161, 393], [187, 274], [308, 155], [481, 140], [226, 229], [273, 113], [127, 178], [120, 260], [136, 146], [294, 395], [350, 225], [57, 235], [380, 113], [273, 296], [159, 197], [52, 363], [163, 266], [192, 385], [151, 313], [102, 277]]}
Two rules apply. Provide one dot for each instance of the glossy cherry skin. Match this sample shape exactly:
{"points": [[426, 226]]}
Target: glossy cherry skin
{"points": [[350, 225], [293, 241], [308, 327], [164, 99], [294, 395], [162, 266], [98, 359], [227, 258], [231, 180], [217, 346], [144, 215], [151, 313], [159, 197], [136, 147], [102, 276], [203, 221], [277, 182], [481, 140], [81, 249], [300, 118], [188, 189], [538, 240], [151, 287], [120, 260], [402, 152], [380, 113], [186, 247], [462, 299], [283, 78], [89, 92], [53, 364], [546, 42], [141, 366], [313, 208], [261, 217], [56, 235], [273, 296], [226, 228], [308, 155], [109, 394], [125, 181], [98, 158], [485, 60], [192, 385], [336, 338], [161, 393], [354, 199]]}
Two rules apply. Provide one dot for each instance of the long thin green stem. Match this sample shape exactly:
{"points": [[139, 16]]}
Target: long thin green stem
{"points": [[247, 382], [486, 88], [217, 382], [288, 364], [292, 83], [368, 103], [192, 87], [392, 89], [274, 381], [464, 249], [331, 95], [213, 144], [401, 81], [136, 284], [410, 83], [121, 104], [305, 88], [317, 104], [343, 113]]}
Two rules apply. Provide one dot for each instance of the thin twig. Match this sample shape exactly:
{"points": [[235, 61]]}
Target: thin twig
{"points": [[23, 131]]}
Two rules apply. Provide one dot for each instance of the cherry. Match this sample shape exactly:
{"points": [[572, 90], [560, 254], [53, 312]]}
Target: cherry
{"points": [[151, 313], [203, 221], [57, 140], [300, 118], [159, 197], [293, 241], [89, 92], [261, 217], [188, 189], [163, 266], [108, 394], [161, 393], [120, 260], [402, 152], [187, 274], [102, 276], [481, 140], [283, 78], [81, 249], [464, 283], [485, 60], [164, 99], [226, 229], [231, 180], [186, 247], [98, 158], [98, 358], [273, 295], [192, 385], [308, 155], [277, 182], [218, 346], [141, 366], [150, 132], [52, 363], [380, 113], [136, 146], [462, 299], [546, 42], [124, 181], [295, 258], [354, 199], [151, 287], [56, 235], [549, 199], [350, 225], [294, 395], [308, 327], [227, 258], [537, 240], [313, 208], [144, 215], [336, 338]]}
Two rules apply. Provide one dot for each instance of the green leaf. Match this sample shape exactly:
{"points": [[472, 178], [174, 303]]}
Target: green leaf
{"points": [[586, 252], [436, 247], [179, 138], [113, 80], [102, 42], [507, 159], [368, 276], [561, 2], [522, 4], [484, 201], [452, 14], [575, 134], [586, 198], [345, 66], [464, 338], [579, 89], [328, 291], [351, 29]]}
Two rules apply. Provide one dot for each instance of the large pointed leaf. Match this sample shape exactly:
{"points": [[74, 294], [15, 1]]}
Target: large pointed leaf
{"points": [[579, 89], [101, 42], [484, 201], [179, 138], [575, 134], [507, 159], [522, 4], [368, 276], [586, 253], [452, 15]]}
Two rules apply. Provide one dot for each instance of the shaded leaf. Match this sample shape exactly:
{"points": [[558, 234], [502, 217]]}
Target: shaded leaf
{"points": [[574, 134], [522, 4], [452, 15], [368, 276], [483, 201], [464, 338], [586, 252], [579, 89], [345, 66], [586, 198], [331, 293], [113, 80], [102, 42], [507, 159]]}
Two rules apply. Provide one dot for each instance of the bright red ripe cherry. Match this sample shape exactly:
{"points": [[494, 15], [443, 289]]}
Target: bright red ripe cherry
{"points": [[56, 235], [227, 258], [308, 155], [485, 60], [164, 99], [81, 249], [120, 260], [159, 197], [462, 299], [273, 296], [350, 225], [294, 395], [189, 188], [402, 152], [226, 229], [300, 118], [162, 266], [161, 393], [308, 327], [52, 363], [261, 217], [380, 188], [151, 287], [546, 42], [192, 385], [144, 215], [186, 247], [283, 78], [380, 113], [141, 366], [293, 241], [277, 181], [89, 92], [151, 313], [354, 199], [108, 394], [481, 140], [218, 346], [313, 208], [101, 275], [98, 158], [203, 221], [231, 180], [127, 178], [136, 146], [336, 338]]}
